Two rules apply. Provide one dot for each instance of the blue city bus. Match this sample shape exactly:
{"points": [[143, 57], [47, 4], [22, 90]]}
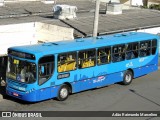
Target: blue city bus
{"points": [[57, 69]]}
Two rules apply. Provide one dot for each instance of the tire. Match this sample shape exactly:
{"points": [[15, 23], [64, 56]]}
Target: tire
{"points": [[63, 92], [128, 77]]}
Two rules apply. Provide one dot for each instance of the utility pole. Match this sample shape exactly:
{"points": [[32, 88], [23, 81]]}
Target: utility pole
{"points": [[96, 17], [130, 3]]}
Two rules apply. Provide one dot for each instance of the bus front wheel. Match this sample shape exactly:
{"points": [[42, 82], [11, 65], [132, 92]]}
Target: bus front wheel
{"points": [[63, 92], [127, 78]]}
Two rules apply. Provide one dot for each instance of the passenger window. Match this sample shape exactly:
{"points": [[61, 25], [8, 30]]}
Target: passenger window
{"points": [[154, 46], [135, 46], [66, 62], [104, 55], [118, 53], [45, 67], [131, 50], [86, 58], [145, 48]]}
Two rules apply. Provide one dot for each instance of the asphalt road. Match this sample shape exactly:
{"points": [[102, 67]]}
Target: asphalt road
{"points": [[142, 95]]}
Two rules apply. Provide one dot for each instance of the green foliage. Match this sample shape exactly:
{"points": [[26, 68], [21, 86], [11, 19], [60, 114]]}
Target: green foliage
{"points": [[155, 6], [144, 7]]}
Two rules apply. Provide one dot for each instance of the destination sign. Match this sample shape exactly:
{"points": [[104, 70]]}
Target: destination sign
{"points": [[21, 54]]}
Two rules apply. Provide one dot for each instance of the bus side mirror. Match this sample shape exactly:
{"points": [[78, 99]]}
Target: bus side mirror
{"points": [[42, 69]]}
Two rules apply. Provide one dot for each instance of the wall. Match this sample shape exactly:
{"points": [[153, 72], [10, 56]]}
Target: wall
{"points": [[31, 33], [1, 3], [137, 2], [126, 2], [27, 34], [153, 2], [155, 30], [16, 34], [48, 32]]}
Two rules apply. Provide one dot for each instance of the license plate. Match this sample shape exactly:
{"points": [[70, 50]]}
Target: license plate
{"points": [[15, 94]]}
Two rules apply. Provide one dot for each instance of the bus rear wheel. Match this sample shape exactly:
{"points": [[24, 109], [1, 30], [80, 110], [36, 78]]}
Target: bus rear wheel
{"points": [[63, 92], [127, 78]]}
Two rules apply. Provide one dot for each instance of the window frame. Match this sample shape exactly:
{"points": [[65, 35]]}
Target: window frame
{"points": [[132, 50], [95, 57], [67, 54], [150, 48], [117, 53], [52, 72], [154, 46], [98, 57]]}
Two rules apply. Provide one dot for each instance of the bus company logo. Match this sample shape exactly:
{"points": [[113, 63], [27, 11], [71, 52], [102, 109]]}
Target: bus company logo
{"points": [[99, 79], [6, 114], [21, 114], [142, 59], [129, 64]]}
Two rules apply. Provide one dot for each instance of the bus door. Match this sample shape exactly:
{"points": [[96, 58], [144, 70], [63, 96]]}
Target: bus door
{"points": [[46, 76]]}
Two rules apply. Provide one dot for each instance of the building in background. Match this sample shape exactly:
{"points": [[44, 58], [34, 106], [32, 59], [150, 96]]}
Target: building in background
{"points": [[28, 34], [139, 2], [1, 3]]}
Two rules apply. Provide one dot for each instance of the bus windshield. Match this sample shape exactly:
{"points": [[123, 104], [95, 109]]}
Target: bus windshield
{"points": [[22, 71]]}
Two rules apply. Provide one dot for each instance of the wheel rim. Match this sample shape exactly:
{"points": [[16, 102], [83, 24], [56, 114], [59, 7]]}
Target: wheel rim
{"points": [[128, 78], [64, 93]]}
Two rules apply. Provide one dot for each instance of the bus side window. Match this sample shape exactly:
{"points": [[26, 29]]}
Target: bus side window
{"points": [[145, 48], [118, 53], [104, 55], [131, 50], [135, 48], [154, 46], [67, 62], [45, 67], [86, 58]]}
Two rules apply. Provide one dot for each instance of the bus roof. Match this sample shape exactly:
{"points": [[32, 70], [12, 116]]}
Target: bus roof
{"points": [[83, 43]]}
